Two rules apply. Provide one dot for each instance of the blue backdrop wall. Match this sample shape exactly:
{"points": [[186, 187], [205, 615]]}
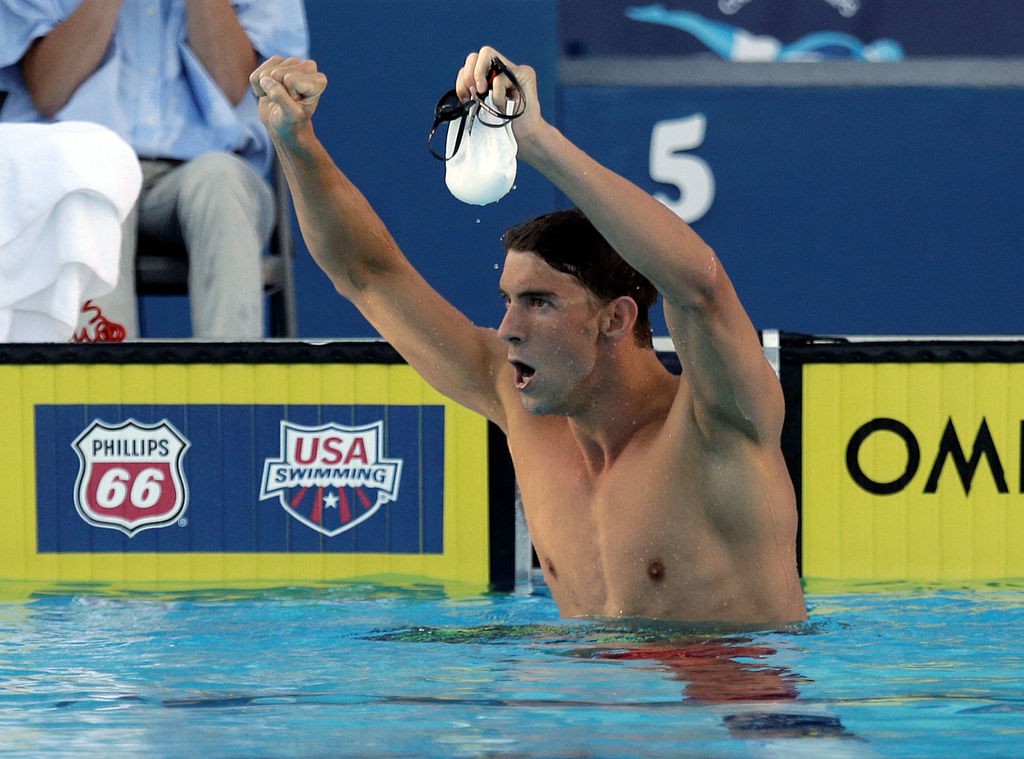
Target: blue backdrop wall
{"points": [[847, 210], [863, 207]]}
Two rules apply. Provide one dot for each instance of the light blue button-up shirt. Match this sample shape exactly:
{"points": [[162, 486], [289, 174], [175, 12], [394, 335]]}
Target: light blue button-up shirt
{"points": [[150, 87]]}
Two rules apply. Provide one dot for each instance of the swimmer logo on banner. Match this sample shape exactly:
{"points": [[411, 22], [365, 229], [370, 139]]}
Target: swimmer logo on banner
{"points": [[347, 463], [913, 471]]}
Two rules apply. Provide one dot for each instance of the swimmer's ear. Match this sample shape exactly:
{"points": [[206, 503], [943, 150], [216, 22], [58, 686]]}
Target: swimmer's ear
{"points": [[619, 317]]}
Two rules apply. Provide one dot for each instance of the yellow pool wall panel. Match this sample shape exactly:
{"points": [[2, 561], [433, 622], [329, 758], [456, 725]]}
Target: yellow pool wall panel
{"points": [[912, 471], [231, 386]]}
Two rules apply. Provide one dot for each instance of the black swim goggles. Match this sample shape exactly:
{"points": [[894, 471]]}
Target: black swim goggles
{"points": [[449, 108]]}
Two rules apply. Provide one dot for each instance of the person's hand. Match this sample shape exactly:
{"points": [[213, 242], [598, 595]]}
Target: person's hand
{"points": [[288, 91], [472, 80]]}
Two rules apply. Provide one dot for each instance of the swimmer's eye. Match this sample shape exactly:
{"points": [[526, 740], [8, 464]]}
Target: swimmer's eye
{"points": [[533, 302]]}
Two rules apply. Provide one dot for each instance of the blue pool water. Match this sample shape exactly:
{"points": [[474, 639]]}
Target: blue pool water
{"points": [[372, 670]]}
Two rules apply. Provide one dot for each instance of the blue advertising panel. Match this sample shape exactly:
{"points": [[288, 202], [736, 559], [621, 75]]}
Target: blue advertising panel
{"points": [[232, 478]]}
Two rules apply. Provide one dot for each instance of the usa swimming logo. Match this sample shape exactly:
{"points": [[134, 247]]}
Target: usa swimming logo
{"points": [[331, 477], [130, 475]]}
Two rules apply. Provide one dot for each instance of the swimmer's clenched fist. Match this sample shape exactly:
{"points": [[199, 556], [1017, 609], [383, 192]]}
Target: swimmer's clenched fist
{"points": [[289, 90], [474, 79]]}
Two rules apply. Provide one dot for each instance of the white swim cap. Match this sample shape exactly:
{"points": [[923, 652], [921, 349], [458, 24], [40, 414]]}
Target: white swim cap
{"points": [[483, 169]]}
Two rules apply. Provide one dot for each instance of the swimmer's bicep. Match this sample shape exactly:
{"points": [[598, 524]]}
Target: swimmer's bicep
{"points": [[457, 358], [730, 381]]}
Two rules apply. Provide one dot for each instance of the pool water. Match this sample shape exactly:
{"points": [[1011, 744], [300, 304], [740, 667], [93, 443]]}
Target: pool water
{"points": [[370, 670]]}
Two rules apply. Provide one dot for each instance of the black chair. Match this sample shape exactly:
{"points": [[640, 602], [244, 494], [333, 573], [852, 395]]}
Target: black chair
{"points": [[162, 268]]}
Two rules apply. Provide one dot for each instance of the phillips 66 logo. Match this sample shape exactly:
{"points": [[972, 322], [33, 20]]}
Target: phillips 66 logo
{"points": [[331, 477], [130, 475]]}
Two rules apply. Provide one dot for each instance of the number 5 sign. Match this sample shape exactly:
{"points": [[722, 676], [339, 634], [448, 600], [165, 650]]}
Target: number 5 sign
{"points": [[692, 175], [130, 475]]}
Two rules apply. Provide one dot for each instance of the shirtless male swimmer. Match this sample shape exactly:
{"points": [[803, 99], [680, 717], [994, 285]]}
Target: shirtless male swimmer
{"points": [[646, 494]]}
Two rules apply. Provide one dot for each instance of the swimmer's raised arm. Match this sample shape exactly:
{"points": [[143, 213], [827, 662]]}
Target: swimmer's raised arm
{"points": [[350, 242]]}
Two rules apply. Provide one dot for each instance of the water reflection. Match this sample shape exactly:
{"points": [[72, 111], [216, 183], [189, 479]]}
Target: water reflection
{"points": [[735, 670]]}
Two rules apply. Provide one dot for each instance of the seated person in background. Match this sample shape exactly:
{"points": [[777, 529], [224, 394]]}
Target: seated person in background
{"points": [[646, 494], [171, 79]]}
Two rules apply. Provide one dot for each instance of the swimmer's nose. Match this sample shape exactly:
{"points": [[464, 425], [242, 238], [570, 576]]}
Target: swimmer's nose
{"points": [[510, 330]]}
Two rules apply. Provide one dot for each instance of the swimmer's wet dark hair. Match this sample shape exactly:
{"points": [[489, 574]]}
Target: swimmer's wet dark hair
{"points": [[568, 242]]}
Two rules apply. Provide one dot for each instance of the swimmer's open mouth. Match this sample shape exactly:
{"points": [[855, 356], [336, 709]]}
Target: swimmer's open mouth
{"points": [[524, 374]]}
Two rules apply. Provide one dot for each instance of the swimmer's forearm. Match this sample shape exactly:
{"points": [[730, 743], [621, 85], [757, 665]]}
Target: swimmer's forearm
{"points": [[643, 230], [345, 236], [343, 233]]}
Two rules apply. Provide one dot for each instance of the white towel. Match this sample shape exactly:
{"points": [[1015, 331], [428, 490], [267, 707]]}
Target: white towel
{"points": [[65, 190]]}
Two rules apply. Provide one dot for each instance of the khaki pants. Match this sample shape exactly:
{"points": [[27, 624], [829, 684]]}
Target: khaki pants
{"points": [[222, 211]]}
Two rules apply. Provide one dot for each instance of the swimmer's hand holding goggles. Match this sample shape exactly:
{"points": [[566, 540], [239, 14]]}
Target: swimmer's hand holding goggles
{"points": [[449, 108]]}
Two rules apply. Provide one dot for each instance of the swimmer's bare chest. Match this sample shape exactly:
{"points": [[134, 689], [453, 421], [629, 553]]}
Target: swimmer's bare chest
{"points": [[632, 541]]}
